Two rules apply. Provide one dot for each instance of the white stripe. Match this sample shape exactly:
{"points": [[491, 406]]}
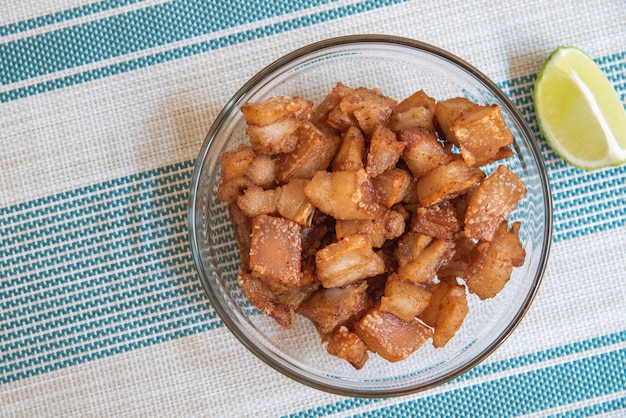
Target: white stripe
{"points": [[93, 236]]}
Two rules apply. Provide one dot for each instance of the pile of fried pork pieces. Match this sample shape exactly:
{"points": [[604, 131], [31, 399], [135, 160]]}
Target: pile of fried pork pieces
{"points": [[373, 218]]}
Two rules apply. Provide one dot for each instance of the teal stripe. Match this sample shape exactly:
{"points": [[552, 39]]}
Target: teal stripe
{"points": [[106, 218], [59, 202], [126, 282], [94, 206], [524, 393], [36, 291], [545, 355], [64, 16], [110, 287], [90, 273], [131, 32], [75, 235], [483, 370], [82, 326], [66, 236], [194, 49]]}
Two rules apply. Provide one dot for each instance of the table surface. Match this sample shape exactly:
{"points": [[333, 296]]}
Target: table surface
{"points": [[103, 108]]}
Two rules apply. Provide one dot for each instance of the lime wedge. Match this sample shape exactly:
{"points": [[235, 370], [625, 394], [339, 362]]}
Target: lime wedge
{"points": [[579, 111]]}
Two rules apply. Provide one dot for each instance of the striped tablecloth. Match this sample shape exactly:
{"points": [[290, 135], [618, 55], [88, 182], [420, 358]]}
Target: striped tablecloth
{"points": [[103, 107]]}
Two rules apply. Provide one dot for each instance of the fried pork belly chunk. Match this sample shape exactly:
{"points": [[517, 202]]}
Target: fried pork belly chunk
{"points": [[423, 151], [447, 112], [265, 300], [329, 309], [361, 107], [272, 123], [242, 167], [262, 171], [351, 152], [292, 203], [273, 109], [256, 201], [416, 111], [242, 228], [234, 165], [392, 186], [330, 102], [279, 137], [391, 337], [439, 220], [276, 252], [447, 181], [409, 247], [482, 135], [446, 311], [492, 202], [384, 152], [343, 194], [492, 262], [314, 151], [463, 248], [317, 235], [387, 226], [308, 285], [348, 346], [406, 300], [424, 267], [347, 261]]}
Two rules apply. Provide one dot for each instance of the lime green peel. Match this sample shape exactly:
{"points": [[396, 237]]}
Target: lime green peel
{"points": [[579, 111]]}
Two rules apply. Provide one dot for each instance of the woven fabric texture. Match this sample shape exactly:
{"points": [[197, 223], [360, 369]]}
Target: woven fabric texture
{"points": [[103, 108]]}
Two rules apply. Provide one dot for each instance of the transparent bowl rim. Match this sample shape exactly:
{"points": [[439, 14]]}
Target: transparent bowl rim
{"points": [[268, 71]]}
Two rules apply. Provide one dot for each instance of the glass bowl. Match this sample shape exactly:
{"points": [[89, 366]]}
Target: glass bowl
{"points": [[398, 67]]}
